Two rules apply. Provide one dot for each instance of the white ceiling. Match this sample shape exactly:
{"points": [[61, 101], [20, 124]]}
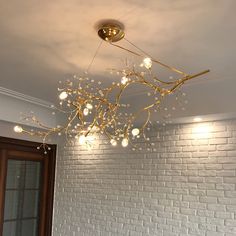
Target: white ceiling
{"points": [[44, 41]]}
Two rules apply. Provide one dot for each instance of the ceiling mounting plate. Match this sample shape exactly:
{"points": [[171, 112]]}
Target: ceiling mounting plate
{"points": [[111, 31]]}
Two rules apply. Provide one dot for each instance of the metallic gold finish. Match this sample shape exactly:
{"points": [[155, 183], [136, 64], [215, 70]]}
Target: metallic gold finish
{"points": [[154, 60], [107, 117], [93, 109], [111, 32]]}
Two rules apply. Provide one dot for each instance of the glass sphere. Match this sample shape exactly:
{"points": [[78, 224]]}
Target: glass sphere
{"points": [[89, 106], [125, 142], [124, 80], [135, 131], [86, 111], [18, 129], [113, 142], [147, 62], [63, 95]]}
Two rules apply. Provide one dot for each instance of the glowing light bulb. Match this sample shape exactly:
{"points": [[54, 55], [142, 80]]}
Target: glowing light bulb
{"points": [[113, 142], [89, 106], [63, 95], [124, 80], [147, 62], [82, 139], [18, 129], [125, 142], [86, 111], [135, 131]]}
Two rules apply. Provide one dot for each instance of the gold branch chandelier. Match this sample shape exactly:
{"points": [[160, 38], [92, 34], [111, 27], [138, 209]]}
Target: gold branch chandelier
{"points": [[92, 109]]}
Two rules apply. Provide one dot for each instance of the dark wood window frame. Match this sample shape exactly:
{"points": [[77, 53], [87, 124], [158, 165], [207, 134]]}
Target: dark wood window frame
{"points": [[28, 150]]}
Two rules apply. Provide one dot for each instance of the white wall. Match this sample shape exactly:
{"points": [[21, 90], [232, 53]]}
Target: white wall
{"points": [[14, 104], [186, 186]]}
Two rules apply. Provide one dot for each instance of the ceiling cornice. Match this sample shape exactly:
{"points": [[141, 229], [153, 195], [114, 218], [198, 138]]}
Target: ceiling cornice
{"points": [[25, 98]]}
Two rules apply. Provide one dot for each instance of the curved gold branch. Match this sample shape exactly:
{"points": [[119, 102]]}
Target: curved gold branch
{"points": [[154, 60], [108, 115]]}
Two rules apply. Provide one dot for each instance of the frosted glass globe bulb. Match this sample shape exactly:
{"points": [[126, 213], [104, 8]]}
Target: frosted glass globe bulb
{"points": [[89, 106], [124, 80], [125, 142], [135, 131], [113, 142], [18, 129], [63, 95], [147, 62], [86, 111]]}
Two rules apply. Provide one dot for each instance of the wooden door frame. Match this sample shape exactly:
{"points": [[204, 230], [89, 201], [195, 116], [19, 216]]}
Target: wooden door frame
{"points": [[16, 147]]}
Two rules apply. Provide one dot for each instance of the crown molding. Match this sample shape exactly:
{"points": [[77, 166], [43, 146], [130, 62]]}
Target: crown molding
{"points": [[25, 98]]}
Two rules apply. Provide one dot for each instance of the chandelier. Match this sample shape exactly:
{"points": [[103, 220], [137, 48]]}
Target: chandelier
{"points": [[92, 109]]}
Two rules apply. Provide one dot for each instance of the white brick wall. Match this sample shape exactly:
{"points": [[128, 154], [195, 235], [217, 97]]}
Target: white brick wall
{"points": [[185, 187]]}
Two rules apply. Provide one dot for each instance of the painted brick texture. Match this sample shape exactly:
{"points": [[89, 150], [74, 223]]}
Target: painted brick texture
{"points": [[184, 186]]}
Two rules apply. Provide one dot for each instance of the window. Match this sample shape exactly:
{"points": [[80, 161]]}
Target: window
{"points": [[26, 188]]}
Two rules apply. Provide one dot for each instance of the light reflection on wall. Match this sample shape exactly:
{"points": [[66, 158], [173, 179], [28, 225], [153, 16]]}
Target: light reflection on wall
{"points": [[96, 142], [202, 131]]}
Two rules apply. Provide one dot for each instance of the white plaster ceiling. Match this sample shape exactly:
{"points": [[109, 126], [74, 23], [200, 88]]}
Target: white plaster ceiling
{"points": [[41, 42]]}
